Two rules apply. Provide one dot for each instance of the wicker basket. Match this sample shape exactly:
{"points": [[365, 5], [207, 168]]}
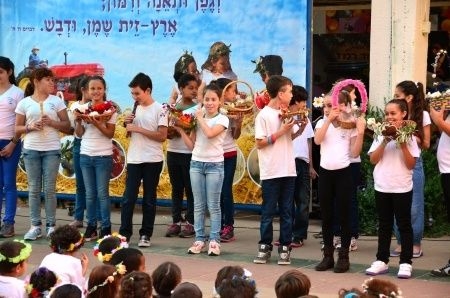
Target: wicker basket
{"points": [[438, 103], [234, 108], [347, 125]]}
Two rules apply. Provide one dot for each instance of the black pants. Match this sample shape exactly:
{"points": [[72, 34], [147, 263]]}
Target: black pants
{"points": [[178, 165], [335, 185], [445, 182], [398, 205], [149, 174]]}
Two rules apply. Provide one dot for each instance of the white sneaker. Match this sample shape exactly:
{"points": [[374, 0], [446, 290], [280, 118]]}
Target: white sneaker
{"points": [[404, 271], [50, 231], [196, 248], [377, 267], [33, 233], [214, 248], [353, 244]]}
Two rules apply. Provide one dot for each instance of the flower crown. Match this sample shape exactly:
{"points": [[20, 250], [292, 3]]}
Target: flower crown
{"points": [[107, 256], [120, 269], [338, 87], [24, 254], [374, 292], [34, 292], [72, 246], [259, 65]]}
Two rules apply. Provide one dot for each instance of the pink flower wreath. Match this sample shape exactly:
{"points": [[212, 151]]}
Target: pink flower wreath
{"points": [[358, 84]]}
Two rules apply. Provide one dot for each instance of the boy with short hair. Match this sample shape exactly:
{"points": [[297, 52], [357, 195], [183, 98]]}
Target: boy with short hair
{"points": [[148, 128], [277, 169]]}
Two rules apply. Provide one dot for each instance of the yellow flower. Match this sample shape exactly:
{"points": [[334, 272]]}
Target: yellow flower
{"points": [[121, 269]]}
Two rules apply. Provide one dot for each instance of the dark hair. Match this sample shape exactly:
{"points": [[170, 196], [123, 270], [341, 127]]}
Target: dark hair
{"points": [[214, 88], [63, 239], [142, 81], [270, 65], [237, 287], [7, 65], [98, 276], [227, 272], [187, 289], [107, 245], [166, 277], [418, 102], [67, 291], [10, 249], [182, 65], [292, 283], [42, 280], [130, 257], [37, 74], [185, 79], [101, 79], [403, 106], [136, 285], [275, 84], [82, 83], [299, 94]]}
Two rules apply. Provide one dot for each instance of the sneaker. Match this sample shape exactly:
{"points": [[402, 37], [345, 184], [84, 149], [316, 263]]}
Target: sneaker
{"points": [[377, 267], [214, 248], [264, 253], [442, 272], [394, 253], [196, 248], [33, 233], [173, 230], [284, 255], [76, 224], [337, 242], [404, 271], [91, 233], [187, 231], [7, 230], [297, 243], [50, 231], [105, 232], [353, 244], [227, 234], [144, 241]]}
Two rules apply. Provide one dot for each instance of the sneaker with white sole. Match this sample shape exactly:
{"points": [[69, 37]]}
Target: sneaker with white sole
{"points": [[144, 241], [404, 271], [33, 233], [442, 272], [377, 267], [284, 255], [214, 248], [197, 247], [353, 244], [264, 252], [50, 231]]}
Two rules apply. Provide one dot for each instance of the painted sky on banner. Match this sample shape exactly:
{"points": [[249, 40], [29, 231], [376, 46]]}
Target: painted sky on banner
{"points": [[134, 38]]}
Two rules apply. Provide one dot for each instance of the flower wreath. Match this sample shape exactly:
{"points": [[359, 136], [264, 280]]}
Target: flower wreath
{"points": [[107, 256], [24, 254], [120, 269], [375, 288], [358, 84]]}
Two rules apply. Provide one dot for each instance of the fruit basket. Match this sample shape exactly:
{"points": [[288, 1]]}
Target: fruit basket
{"points": [[101, 111], [401, 132], [439, 100], [244, 101]]}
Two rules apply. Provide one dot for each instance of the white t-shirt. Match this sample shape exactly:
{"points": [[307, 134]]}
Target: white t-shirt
{"points": [[390, 173], [443, 151], [275, 160], [8, 103], [300, 143], [48, 138], [210, 150], [335, 147], [94, 143], [143, 149], [208, 76], [229, 144], [12, 287], [426, 120], [67, 268], [177, 144]]}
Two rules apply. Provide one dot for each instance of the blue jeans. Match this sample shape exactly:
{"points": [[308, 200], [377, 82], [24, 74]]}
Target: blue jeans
{"points": [[417, 205], [226, 198], [8, 186], [206, 179], [149, 173], [301, 200], [96, 172], [42, 170], [80, 196], [277, 191]]}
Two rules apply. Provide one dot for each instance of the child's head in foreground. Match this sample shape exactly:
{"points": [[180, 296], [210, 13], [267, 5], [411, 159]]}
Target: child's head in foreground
{"points": [[187, 290], [292, 283], [14, 257], [109, 245], [165, 278]]}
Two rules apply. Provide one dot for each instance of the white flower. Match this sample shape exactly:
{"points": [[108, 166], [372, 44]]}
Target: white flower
{"points": [[318, 102], [371, 122]]}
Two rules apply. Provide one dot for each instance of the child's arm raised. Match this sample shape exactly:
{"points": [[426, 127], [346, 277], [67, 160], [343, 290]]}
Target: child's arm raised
{"points": [[410, 161], [284, 128], [438, 118], [189, 140], [210, 132], [319, 135], [377, 154]]}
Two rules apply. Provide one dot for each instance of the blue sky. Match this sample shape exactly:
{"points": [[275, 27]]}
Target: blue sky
{"points": [[252, 27]]}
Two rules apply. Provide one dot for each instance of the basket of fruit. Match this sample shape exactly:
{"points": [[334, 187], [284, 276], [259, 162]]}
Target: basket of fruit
{"points": [[244, 101], [439, 100], [400, 132], [179, 119], [100, 111]]}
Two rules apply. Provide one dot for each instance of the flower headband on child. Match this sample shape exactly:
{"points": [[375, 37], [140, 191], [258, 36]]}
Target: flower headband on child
{"points": [[120, 269], [72, 246], [107, 256], [24, 254], [34, 292]]}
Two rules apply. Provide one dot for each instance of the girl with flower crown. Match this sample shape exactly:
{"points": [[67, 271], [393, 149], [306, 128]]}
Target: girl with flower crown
{"points": [[41, 282], [108, 245], [185, 65], [13, 264], [65, 243], [104, 281]]}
